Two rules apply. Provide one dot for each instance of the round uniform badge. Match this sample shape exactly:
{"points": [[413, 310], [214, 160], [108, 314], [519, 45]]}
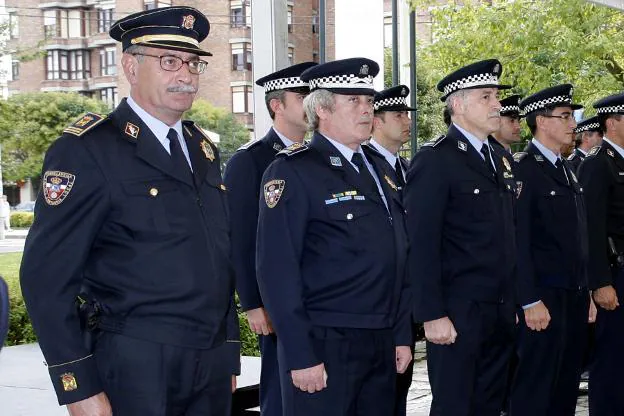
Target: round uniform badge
{"points": [[56, 186]]}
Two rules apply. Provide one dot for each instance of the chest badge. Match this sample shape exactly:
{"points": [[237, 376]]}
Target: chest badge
{"points": [[207, 149], [273, 191]]}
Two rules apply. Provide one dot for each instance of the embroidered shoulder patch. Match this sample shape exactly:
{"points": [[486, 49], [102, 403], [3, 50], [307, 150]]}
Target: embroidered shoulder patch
{"points": [[293, 149], [84, 124], [273, 191], [435, 142], [56, 186], [518, 156]]}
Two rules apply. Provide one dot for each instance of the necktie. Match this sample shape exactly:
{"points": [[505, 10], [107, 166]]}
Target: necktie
{"points": [[180, 163], [485, 151], [399, 173], [561, 169], [358, 160]]}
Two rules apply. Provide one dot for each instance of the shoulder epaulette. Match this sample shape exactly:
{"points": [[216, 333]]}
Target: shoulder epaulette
{"points": [[593, 151], [435, 142], [84, 124], [250, 144], [293, 149], [518, 156]]}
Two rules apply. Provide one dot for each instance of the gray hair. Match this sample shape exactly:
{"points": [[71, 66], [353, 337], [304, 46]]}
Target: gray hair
{"points": [[318, 98], [136, 49], [451, 97]]}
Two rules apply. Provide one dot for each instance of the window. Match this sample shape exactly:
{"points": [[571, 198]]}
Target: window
{"points": [[14, 25], [107, 62], [61, 64], [387, 31], [291, 56], [15, 68], [105, 19], [242, 99], [154, 4], [240, 13], [241, 56], [290, 18], [109, 96], [315, 21], [50, 26]]}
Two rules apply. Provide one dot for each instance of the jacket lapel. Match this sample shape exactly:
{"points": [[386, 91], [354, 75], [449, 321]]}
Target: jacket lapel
{"points": [[548, 168], [475, 161], [273, 141]]}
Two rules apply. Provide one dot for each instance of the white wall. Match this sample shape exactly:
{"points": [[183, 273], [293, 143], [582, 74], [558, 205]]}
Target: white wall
{"points": [[360, 32]]}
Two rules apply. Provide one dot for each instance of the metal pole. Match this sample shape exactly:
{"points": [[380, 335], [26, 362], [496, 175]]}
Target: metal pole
{"points": [[395, 42], [322, 28], [412, 29]]}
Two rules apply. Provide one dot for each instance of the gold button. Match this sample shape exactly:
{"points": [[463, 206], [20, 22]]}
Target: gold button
{"points": [[349, 216], [476, 191], [153, 191]]}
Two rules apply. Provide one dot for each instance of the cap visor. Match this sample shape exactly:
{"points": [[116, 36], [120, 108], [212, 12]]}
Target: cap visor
{"points": [[178, 47]]}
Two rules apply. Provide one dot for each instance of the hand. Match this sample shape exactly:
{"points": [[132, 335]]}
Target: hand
{"points": [[259, 321], [311, 379], [592, 311], [537, 317], [233, 383], [403, 358], [440, 331], [606, 298], [97, 405]]}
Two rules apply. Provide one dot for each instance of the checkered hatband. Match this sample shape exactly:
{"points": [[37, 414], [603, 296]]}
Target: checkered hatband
{"points": [[392, 101], [350, 81], [548, 102], [284, 83], [470, 81]]}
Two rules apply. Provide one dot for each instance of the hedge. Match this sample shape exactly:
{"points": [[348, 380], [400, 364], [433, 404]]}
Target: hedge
{"points": [[22, 219]]}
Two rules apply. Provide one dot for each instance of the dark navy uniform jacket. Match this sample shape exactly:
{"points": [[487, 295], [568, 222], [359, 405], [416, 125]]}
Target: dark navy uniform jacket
{"points": [[575, 159], [138, 236], [341, 259], [551, 227], [602, 177], [242, 176], [460, 225]]}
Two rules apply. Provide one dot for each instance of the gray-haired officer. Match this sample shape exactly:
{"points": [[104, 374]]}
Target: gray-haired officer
{"points": [[552, 261], [284, 94], [391, 127], [337, 292], [133, 211], [459, 200], [509, 131], [588, 136], [601, 175]]}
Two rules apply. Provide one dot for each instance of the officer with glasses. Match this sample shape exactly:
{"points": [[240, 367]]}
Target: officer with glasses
{"points": [[131, 243]]}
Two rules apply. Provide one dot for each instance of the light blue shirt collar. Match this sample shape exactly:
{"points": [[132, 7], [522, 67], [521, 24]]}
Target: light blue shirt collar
{"points": [[285, 140], [615, 146], [158, 128], [391, 158], [548, 154], [582, 151]]}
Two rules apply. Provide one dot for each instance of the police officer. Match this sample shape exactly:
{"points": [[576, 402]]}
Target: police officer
{"points": [[337, 291], [509, 131], [552, 261], [601, 176], [391, 128], [132, 210], [588, 136], [284, 94], [462, 248]]}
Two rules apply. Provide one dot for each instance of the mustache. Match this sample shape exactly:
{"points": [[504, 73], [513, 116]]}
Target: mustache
{"points": [[182, 88]]}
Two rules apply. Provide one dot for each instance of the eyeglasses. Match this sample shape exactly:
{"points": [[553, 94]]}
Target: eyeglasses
{"points": [[174, 63], [564, 116]]}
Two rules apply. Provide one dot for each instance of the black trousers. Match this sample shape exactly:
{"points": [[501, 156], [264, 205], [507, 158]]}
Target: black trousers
{"points": [[361, 370], [270, 391], [606, 381], [550, 361], [146, 378], [468, 378]]}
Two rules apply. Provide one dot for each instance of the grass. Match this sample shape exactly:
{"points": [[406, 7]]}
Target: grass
{"points": [[9, 270]]}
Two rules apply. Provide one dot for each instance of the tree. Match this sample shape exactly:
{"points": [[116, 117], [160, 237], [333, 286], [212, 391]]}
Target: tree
{"points": [[29, 123], [233, 133], [540, 43]]}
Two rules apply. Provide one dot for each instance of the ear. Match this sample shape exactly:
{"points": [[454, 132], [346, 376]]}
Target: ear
{"points": [[275, 105], [322, 112], [130, 66], [377, 122]]}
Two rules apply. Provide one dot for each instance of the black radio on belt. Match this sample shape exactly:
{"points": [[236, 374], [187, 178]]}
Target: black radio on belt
{"points": [[89, 312], [616, 258]]}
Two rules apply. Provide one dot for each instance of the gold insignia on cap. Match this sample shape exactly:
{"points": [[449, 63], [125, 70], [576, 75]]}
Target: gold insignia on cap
{"points": [[188, 21], [207, 149], [132, 130], [69, 382], [496, 68], [153, 191], [364, 70], [273, 191], [391, 183], [506, 163]]}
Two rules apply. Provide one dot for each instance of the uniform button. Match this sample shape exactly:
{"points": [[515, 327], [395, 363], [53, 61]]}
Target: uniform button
{"points": [[153, 191], [349, 216], [553, 193], [508, 186], [476, 191], [581, 189]]}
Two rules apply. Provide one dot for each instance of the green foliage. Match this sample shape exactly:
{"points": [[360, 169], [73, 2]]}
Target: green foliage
{"points": [[387, 68], [540, 43], [233, 133], [430, 122], [249, 340], [22, 219], [30, 122]]}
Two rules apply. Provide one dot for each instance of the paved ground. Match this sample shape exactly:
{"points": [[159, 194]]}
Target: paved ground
{"points": [[25, 388], [13, 241]]}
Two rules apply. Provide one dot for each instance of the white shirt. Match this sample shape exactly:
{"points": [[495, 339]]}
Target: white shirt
{"points": [[347, 153], [477, 144], [160, 129], [391, 158], [618, 149], [285, 140]]}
